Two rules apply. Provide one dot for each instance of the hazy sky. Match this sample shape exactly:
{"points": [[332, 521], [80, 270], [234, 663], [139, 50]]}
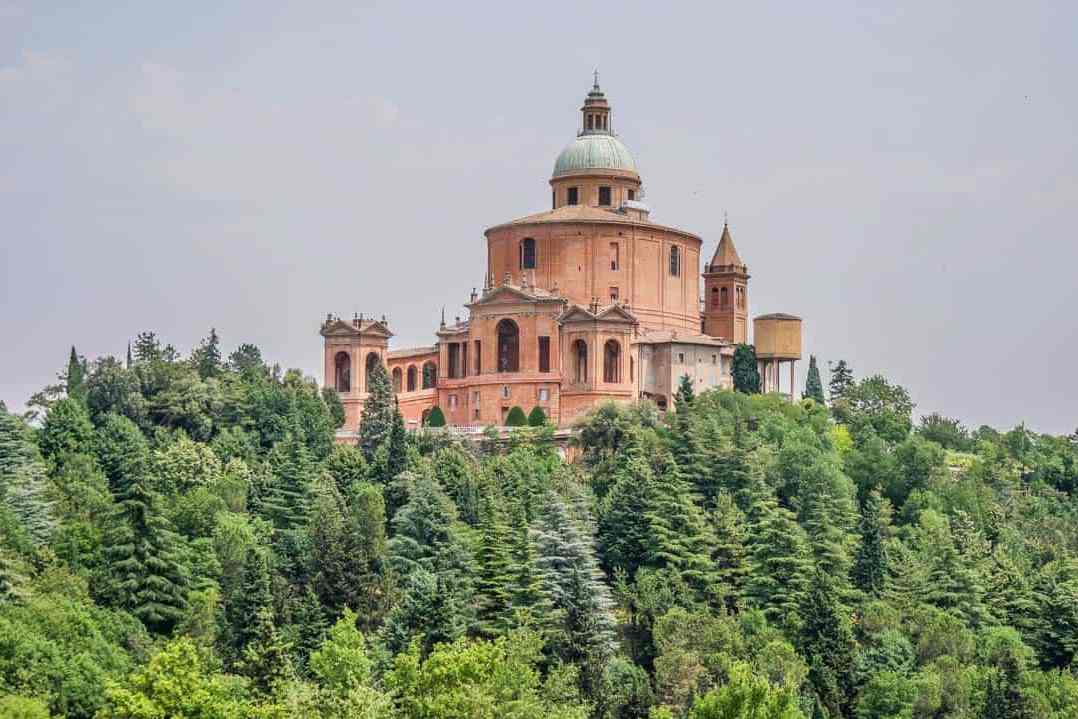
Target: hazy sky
{"points": [[904, 179]]}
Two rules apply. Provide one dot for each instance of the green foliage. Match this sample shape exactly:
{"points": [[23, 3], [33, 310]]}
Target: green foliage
{"points": [[516, 417], [436, 418], [747, 696], [875, 405], [745, 371], [376, 422], [841, 380], [537, 417], [813, 385], [870, 569]]}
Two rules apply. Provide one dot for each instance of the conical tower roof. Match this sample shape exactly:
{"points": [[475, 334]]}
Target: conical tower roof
{"points": [[726, 256]]}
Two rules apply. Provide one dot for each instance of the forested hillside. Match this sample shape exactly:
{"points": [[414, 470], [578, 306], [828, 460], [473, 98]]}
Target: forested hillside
{"points": [[181, 537]]}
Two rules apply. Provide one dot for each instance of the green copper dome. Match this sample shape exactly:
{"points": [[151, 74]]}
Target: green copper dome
{"points": [[594, 151]]}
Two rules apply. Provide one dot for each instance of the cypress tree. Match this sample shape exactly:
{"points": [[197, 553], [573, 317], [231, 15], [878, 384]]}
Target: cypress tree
{"points": [[870, 568], [745, 371], [494, 579], [376, 422], [780, 563], [147, 575], [75, 377], [813, 385]]}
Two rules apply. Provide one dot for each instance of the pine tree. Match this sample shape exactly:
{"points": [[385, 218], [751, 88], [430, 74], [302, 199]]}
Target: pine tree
{"points": [[376, 422], [870, 569], [688, 452], [285, 499], [780, 563], [827, 539], [67, 430], [685, 394], [308, 628], [75, 377], [1004, 697], [148, 577], [122, 452], [624, 524], [841, 380], [813, 385], [254, 599], [207, 356], [494, 579], [367, 538], [528, 602], [334, 559], [728, 552], [745, 371], [266, 659], [23, 480]]}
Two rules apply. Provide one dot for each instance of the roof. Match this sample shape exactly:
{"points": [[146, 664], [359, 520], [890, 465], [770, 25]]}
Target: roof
{"points": [[658, 337], [585, 214], [778, 316], [609, 313], [596, 151], [516, 292], [338, 327], [726, 254], [411, 352]]}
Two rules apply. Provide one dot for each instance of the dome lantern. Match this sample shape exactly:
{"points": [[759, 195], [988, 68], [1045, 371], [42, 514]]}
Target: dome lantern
{"points": [[595, 115]]}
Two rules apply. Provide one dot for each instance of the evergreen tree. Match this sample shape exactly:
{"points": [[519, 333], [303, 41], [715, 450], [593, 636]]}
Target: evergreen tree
{"points": [[436, 418], [376, 422], [75, 376], [255, 599], [827, 539], [537, 417], [494, 579], [688, 452], [685, 394], [367, 537], [780, 563], [284, 501], [728, 551], [841, 380], [527, 600], [23, 480], [67, 430], [813, 385], [396, 447], [1005, 697], [624, 523], [122, 452], [148, 577], [870, 569], [334, 558], [827, 644], [207, 356], [745, 371], [516, 417]]}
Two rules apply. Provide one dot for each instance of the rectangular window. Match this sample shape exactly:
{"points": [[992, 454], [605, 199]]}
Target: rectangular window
{"points": [[572, 198], [604, 196], [615, 256], [475, 398], [454, 360], [505, 392], [632, 194], [613, 294], [478, 358], [553, 199], [544, 394], [452, 401], [464, 359], [544, 354]]}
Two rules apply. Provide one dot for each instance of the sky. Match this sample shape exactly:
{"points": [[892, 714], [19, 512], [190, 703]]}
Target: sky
{"points": [[903, 178]]}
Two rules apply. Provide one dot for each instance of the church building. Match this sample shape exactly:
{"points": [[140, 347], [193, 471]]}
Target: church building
{"points": [[585, 303]]}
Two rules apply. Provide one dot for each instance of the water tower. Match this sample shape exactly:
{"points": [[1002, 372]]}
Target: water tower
{"points": [[777, 338]]}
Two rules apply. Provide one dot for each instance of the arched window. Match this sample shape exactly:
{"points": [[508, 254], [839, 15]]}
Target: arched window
{"points": [[612, 362], [714, 296], [397, 376], [580, 362], [725, 297], [675, 261], [527, 254], [508, 346], [372, 361], [430, 375], [342, 372], [411, 378]]}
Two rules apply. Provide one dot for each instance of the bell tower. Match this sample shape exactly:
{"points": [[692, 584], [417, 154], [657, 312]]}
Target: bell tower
{"points": [[726, 293]]}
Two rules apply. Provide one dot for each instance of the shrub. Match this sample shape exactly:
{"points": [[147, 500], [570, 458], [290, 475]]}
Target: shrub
{"points": [[436, 418], [537, 417], [516, 418]]}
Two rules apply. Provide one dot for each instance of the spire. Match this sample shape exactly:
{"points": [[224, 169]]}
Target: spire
{"points": [[726, 254]]}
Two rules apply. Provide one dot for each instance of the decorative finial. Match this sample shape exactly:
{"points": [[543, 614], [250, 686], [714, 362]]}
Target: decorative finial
{"points": [[725, 218], [596, 75], [443, 316]]}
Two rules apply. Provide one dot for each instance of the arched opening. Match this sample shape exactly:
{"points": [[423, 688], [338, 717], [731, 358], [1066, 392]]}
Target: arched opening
{"points": [[411, 378], [342, 372], [527, 254], [612, 362], [397, 379], [430, 375], [675, 261], [714, 297], [725, 297], [508, 346], [372, 361], [580, 361]]}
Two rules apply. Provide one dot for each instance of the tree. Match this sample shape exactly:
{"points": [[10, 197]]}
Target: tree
{"points": [[870, 569], [685, 393], [516, 417], [625, 538], [493, 583], [841, 380], [436, 418], [827, 644], [779, 561], [813, 385], [148, 577], [75, 377], [376, 422], [207, 356], [122, 452], [396, 447], [67, 430], [23, 481], [341, 663], [537, 417], [347, 467], [747, 696], [334, 406], [876, 404], [745, 370], [285, 499]]}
